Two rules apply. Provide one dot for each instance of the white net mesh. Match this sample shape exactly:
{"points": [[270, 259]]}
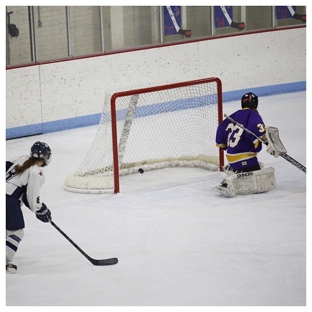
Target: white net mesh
{"points": [[163, 128]]}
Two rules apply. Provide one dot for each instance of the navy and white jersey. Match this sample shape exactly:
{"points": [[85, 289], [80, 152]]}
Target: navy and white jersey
{"points": [[241, 146], [26, 185]]}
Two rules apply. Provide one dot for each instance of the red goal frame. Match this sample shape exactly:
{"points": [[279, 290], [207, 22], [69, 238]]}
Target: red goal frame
{"points": [[153, 89]]}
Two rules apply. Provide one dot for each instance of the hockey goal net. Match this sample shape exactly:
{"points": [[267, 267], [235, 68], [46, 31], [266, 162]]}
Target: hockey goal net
{"points": [[152, 128]]}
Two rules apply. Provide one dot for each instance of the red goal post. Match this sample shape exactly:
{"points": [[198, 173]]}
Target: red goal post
{"points": [[152, 128]]}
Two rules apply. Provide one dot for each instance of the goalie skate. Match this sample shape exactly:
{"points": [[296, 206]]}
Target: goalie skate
{"points": [[223, 190]]}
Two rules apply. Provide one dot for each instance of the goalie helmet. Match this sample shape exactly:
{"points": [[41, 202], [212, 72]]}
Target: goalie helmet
{"points": [[41, 151], [250, 100]]}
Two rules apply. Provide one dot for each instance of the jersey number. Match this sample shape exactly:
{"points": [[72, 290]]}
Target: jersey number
{"points": [[235, 133]]}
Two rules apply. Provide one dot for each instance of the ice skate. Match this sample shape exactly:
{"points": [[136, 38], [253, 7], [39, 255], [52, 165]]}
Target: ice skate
{"points": [[11, 268]]}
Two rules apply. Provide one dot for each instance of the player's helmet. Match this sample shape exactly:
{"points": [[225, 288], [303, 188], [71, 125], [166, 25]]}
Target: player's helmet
{"points": [[41, 151], [250, 100]]}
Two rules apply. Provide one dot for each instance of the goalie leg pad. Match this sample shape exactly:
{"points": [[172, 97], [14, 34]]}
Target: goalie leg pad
{"points": [[248, 183]]}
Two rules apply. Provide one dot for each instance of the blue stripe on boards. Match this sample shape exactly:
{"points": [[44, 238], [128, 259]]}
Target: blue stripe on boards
{"points": [[94, 119]]}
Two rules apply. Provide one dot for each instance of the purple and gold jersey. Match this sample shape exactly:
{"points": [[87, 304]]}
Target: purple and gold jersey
{"points": [[241, 147]]}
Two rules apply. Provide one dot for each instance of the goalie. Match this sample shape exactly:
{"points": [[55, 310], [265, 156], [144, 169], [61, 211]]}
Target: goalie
{"points": [[245, 173]]}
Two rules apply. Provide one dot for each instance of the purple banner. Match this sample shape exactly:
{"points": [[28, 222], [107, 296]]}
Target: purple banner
{"points": [[283, 12], [220, 18], [172, 20]]}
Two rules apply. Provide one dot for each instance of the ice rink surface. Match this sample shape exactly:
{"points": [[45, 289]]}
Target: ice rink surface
{"points": [[178, 242]]}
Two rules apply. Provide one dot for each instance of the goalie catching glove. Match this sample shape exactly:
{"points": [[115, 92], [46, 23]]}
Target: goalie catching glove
{"points": [[274, 143], [272, 151], [44, 214]]}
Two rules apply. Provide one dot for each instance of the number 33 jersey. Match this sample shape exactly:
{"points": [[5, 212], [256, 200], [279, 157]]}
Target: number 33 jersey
{"points": [[241, 147]]}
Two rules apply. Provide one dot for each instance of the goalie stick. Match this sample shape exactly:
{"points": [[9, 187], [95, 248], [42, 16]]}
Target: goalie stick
{"points": [[239, 26], [109, 261], [295, 15], [284, 155], [179, 30]]}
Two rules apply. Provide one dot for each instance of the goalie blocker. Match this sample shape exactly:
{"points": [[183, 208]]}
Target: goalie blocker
{"points": [[244, 183]]}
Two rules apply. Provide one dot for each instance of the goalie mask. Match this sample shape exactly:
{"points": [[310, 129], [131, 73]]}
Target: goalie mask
{"points": [[41, 151], [250, 100]]}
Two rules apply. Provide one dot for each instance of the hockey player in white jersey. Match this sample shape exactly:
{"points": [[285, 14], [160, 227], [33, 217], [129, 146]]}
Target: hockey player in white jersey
{"points": [[24, 178]]}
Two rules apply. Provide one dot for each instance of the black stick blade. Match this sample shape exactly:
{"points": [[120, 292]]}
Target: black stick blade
{"points": [[300, 17], [110, 261], [186, 33], [239, 26]]}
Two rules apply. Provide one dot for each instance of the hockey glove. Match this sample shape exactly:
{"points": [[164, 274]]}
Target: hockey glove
{"points": [[44, 214], [270, 148], [228, 170], [272, 151], [275, 145]]}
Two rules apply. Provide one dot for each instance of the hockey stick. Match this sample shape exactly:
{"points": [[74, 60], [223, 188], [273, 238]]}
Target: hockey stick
{"points": [[285, 156], [300, 17], [186, 33], [93, 261], [239, 26]]}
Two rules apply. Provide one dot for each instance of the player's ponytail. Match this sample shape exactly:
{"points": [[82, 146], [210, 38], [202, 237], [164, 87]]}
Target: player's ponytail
{"points": [[27, 164]]}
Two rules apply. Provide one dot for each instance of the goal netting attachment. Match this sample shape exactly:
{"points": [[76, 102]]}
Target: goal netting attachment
{"points": [[152, 128]]}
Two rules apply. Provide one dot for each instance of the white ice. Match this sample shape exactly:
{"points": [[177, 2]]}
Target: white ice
{"points": [[178, 242]]}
